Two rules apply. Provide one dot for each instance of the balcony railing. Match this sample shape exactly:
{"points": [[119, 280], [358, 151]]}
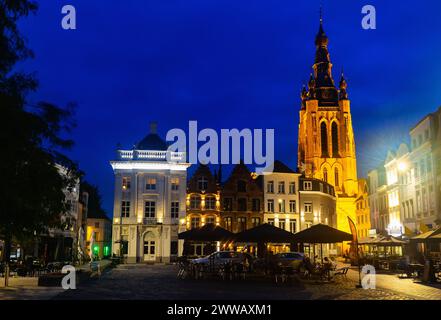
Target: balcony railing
{"points": [[150, 155], [150, 221]]}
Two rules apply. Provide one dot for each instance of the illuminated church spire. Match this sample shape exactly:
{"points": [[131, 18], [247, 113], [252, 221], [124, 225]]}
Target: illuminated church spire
{"points": [[324, 89]]}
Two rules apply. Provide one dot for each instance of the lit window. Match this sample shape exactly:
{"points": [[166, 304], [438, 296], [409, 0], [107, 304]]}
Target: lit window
{"points": [[195, 222], [270, 187], [175, 184], [307, 185], [125, 209], [126, 183], [308, 207], [210, 203], [242, 222], [229, 223], [195, 202], [292, 206], [281, 187], [210, 220], [150, 184], [270, 205], [292, 187], [281, 205]]}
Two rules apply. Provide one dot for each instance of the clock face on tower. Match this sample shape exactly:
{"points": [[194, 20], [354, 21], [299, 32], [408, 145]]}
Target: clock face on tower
{"points": [[326, 94]]}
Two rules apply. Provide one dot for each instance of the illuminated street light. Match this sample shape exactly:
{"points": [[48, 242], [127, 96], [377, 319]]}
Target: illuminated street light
{"points": [[402, 166]]}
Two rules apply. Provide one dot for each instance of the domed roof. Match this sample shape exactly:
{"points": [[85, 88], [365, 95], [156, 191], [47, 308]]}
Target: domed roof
{"points": [[152, 141]]}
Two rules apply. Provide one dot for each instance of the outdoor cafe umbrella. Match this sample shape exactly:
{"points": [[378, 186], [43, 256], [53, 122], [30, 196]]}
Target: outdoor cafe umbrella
{"points": [[208, 233], [385, 241], [321, 233], [265, 233]]}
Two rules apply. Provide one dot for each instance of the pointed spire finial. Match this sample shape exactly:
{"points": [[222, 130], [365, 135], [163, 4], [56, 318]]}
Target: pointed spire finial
{"points": [[321, 14]]}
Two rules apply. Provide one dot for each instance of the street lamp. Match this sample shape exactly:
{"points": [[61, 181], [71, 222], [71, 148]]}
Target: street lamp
{"points": [[402, 166]]}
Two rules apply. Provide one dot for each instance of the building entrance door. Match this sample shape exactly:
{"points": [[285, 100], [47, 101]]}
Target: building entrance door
{"points": [[149, 250]]}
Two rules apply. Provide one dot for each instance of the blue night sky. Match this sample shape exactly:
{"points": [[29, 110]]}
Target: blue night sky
{"points": [[230, 64]]}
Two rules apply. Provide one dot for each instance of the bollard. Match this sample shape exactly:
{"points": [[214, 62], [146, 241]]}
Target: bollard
{"points": [[7, 275]]}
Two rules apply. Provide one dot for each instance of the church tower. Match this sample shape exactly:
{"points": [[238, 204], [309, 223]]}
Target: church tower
{"points": [[326, 146]]}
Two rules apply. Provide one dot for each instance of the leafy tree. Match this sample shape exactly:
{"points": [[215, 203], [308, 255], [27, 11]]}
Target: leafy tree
{"points": [[31, 137]]}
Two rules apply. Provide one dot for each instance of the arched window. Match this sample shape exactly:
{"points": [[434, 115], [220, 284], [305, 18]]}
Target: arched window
{"points": [[324, 139], [334, 139], [325, 175], [336, 178]]}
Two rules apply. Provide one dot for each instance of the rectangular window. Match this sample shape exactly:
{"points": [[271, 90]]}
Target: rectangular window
{"points": [[292, 225], [271, 221], [202, 183], [292, 188], [195, 222], [150, 184], [255, 222], [292, 206], [308, 207], [242, 204], [256, 205], [228, 204], [210, 203], [281, 187], [229, 223], [270, 205], [125, 209], [210, 220], [126, 183], [270, 187], [195, 202], [281, 205], [242, 221], [150, 209], [175, 184], [174, 209], [307, 185], [282, 224]]}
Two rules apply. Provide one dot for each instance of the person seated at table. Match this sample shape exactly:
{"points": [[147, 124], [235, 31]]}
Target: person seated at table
{"points": [[327, 264], [309, 267]]}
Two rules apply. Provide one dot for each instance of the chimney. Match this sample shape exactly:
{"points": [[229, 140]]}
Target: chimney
{"points": [[153, 127]]}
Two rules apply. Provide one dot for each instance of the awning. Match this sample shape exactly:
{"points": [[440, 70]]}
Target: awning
{"points": [[321, 233], [430, 235]]}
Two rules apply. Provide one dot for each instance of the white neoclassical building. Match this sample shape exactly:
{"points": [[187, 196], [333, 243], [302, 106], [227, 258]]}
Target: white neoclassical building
{"points": [[149, 202]]}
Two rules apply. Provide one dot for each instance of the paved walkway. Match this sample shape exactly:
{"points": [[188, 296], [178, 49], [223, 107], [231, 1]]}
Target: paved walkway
{"points": [[26, 288], [409, 287], [159, 282]]}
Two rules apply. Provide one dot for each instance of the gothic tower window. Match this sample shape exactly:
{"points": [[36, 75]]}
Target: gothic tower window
{"points": [[325, 175], [336, 178], [324, 139], [334, 140]]}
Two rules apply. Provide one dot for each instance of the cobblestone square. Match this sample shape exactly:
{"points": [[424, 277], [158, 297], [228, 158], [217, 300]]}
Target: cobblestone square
{"points": [[159, 282]]}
